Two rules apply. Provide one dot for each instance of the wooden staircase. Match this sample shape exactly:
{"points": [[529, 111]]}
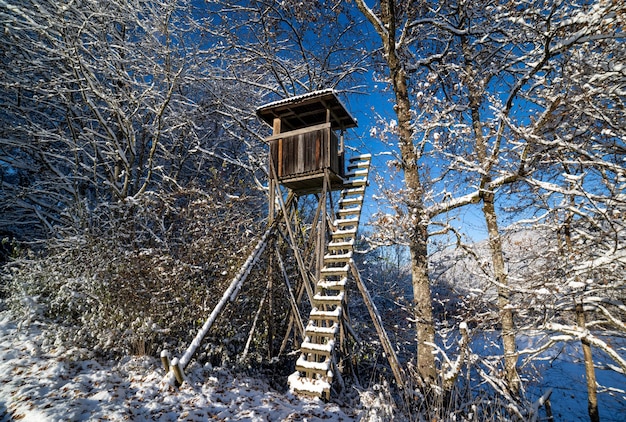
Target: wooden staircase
{"points": [[315, 367]]}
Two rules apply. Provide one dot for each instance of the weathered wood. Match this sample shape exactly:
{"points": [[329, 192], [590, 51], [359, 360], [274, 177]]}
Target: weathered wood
{"points": [[292, 300], [398, 373], [302, 131], [291, 320], [276, 126], [302, 156], [178, 371], [244, 354], [165, 360]]}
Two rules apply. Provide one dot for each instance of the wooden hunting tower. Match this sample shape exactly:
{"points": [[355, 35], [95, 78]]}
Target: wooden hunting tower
{"points": [[306, 156], [304, 145]]}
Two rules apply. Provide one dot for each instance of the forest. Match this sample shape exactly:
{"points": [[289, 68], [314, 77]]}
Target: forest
{"points": [[134, 185]]}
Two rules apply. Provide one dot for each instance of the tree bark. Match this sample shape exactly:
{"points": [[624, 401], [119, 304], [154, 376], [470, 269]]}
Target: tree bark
{"points": [[504, 300], [590, 373], [422, 302], [486, 161]]}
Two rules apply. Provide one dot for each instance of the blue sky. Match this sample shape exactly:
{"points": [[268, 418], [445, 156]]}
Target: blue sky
{"points": [[365, 108]]}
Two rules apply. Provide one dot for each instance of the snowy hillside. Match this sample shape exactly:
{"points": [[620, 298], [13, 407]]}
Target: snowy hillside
{"points": [[458, 269]]}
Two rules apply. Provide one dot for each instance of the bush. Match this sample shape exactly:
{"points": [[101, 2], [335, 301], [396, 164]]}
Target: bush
{"points": [[146, 281]]}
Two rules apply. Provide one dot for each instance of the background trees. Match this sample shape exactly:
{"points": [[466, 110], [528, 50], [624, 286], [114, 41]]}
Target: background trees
{"points": [[129, 133], [479, 88], [110, 102]]}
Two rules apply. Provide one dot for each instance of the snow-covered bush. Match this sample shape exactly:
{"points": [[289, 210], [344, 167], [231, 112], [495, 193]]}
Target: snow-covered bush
{"points": [[146, 282]]}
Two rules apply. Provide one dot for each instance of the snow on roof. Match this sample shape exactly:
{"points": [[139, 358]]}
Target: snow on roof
{"points": [[297, 98], [308, 109]]}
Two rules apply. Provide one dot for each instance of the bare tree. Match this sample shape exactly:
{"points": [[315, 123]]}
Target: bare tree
{"points": [[111, 101], [476, 86], [386, 25]]}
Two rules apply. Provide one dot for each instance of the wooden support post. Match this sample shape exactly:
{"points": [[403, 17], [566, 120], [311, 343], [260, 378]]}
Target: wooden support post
{"points": [[321, 240], [253, 328], [270, 304], [292, 300], [378, 324], [272, 200], [331, 206], [165, 360], [294, 247], [311, 243], [276, 128], [291, 321], [178, 371]]}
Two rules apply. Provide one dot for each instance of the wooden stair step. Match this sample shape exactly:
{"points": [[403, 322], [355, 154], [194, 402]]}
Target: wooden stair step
{"points": [[349, 211], [358, 190], [309, 387], [351, 200], [352, 183], [325, 350], [338, 257], [344, 222], [358, 165], [341, 271], [333, 315], [328, 300], [333, 284], [343, 233], [321, 368], [360, 157], [358, 172], [339, 245], [313, 330]]}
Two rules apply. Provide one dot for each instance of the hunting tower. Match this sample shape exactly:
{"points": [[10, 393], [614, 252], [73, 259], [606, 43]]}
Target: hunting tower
{"points": [[307, 157]]}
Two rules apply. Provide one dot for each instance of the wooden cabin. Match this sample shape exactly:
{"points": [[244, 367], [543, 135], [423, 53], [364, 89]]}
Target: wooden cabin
{"points": [[304, 145]]}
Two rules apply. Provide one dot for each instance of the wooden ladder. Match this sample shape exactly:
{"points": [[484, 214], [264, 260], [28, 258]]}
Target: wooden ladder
{"points": [[314, 368]]}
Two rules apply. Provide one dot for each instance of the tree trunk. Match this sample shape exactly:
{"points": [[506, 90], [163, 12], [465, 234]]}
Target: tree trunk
{"points": [[590, 372], [504, 302], [418, 236], [489, 211], [422, 302]]}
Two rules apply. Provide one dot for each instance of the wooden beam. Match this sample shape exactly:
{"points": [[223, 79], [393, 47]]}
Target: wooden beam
{"points": [[307, 129], [398, 373], [292, 299], [294, 247], [276, 126]]}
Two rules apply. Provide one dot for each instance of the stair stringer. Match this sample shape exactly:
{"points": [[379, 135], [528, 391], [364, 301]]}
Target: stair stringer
{"points": [[315, 366]]}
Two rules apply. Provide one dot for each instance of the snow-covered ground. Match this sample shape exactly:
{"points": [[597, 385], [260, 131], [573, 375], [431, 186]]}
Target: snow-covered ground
{"points": [[562, 369], [44, 381], [48, 382]]}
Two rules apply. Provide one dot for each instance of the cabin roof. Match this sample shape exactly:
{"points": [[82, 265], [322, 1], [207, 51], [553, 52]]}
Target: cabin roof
{"points": [[307, 110]]}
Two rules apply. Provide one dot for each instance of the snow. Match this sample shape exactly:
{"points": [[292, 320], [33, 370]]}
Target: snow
{"points": [[43, 380], [563, 371], [40, 382]]}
